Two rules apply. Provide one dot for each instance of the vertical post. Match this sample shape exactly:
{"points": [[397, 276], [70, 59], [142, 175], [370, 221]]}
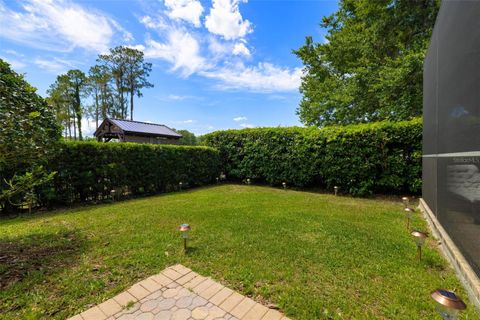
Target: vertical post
{"points": [[185, 245]]}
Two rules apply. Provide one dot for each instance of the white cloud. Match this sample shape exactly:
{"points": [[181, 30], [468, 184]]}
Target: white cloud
{"points": [[265, 77], [53, 65], [181, 49], [59, 25], [153, 23], [176, 97], [240, 49], [13, 53], [189, 121], [218, 48], [14, 63], [241, 118], [225, 19], [247, 125], [188, 10]]}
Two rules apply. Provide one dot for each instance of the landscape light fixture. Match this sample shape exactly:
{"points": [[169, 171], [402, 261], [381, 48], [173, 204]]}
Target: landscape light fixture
{"points": [[449, 305], [335, 189], [248, 181], [405, 202], [180, 185], [408, 214], [420, 241], [184, 229], [112, 194], [218, 179], [284, 184]]}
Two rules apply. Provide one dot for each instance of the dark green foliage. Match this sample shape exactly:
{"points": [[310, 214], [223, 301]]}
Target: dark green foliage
{"points": [[370, 69], [88, 171], [28, 136], [361, 159], [188, 138]]}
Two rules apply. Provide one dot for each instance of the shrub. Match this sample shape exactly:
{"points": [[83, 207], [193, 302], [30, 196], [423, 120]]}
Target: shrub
{"points": [[361, 159], [88, 171], [28, 137]]}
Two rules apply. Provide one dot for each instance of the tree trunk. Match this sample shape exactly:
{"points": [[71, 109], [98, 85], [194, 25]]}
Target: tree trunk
{"points": [[78, 112], [131, 103], [74, 128], [96, 109]]}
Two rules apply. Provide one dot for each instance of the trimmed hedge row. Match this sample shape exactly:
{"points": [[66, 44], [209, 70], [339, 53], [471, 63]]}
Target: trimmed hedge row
{"points": [[88, 171], [383, 157]]}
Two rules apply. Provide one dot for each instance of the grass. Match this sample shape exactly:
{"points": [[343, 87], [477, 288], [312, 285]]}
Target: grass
{"points": [[316, 256]]}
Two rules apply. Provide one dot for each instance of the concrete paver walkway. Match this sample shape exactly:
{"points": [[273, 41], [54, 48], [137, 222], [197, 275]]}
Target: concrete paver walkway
{"points": [[178, 293]]}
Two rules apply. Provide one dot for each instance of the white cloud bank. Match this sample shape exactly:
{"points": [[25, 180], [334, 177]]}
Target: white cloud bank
{"points": [[181, 49], [187, 10], [225, 19], [59, 25], [217, 55], [264, 77]]}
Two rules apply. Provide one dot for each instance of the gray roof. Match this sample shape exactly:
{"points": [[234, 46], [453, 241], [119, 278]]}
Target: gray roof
{"points": [[145, 128]]}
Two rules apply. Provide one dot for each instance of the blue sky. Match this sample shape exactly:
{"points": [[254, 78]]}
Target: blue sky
{"points": [[217, 64]]}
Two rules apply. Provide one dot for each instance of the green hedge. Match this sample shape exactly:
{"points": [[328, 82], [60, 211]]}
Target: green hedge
{"points": [[381, 157], [88, 171]]}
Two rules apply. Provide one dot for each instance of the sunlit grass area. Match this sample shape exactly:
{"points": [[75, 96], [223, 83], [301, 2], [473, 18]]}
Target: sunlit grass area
{"points": [[315, 256]]}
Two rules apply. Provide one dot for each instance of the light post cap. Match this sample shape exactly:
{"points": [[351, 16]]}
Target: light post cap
{"points": [[448, 299], [184, 227], [419, 234]]}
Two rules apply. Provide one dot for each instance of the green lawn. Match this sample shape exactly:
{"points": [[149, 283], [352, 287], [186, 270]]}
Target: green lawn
{"points": [[314, 255]]}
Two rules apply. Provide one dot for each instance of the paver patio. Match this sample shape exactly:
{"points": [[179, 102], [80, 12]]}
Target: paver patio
{"points": [[178, 293]]}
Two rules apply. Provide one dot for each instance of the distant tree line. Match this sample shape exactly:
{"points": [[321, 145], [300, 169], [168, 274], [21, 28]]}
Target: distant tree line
{"points": [[108, 90], [370, 66]]}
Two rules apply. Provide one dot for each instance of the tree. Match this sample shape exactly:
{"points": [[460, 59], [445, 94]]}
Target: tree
{"points": [[99, 85], [65, 96], [130, 74], [188, 138], [77, 86], [29, 135], [370, 67]]}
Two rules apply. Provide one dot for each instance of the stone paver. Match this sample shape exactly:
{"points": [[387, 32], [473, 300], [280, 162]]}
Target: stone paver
{"points": [[178, 293]]}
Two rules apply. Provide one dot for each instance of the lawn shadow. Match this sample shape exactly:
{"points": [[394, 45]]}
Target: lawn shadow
{"points": [[191, 250], [46, 253]]}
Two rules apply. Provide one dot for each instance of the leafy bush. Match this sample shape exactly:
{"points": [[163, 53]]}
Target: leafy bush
{"points": [[89, 171], [28, 137], [361, 159]]}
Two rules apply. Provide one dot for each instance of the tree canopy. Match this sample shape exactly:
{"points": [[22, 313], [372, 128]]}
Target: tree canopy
{"points": [[369, 68], [28, 135], [188, 138]]}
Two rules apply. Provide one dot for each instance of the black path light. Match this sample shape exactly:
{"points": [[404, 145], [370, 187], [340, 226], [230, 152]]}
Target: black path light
{"points": [[180, 184], [405, 202], [408, 214], [449, 305], [184, 229], [420, 241], [335, 189], [284, 184]]}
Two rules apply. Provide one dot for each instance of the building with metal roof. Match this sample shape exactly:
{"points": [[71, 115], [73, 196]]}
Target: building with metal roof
{"points": [[136, 131]]}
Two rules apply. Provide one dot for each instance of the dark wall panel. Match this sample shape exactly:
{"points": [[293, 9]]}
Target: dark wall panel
{"points": [[451, 115]]}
